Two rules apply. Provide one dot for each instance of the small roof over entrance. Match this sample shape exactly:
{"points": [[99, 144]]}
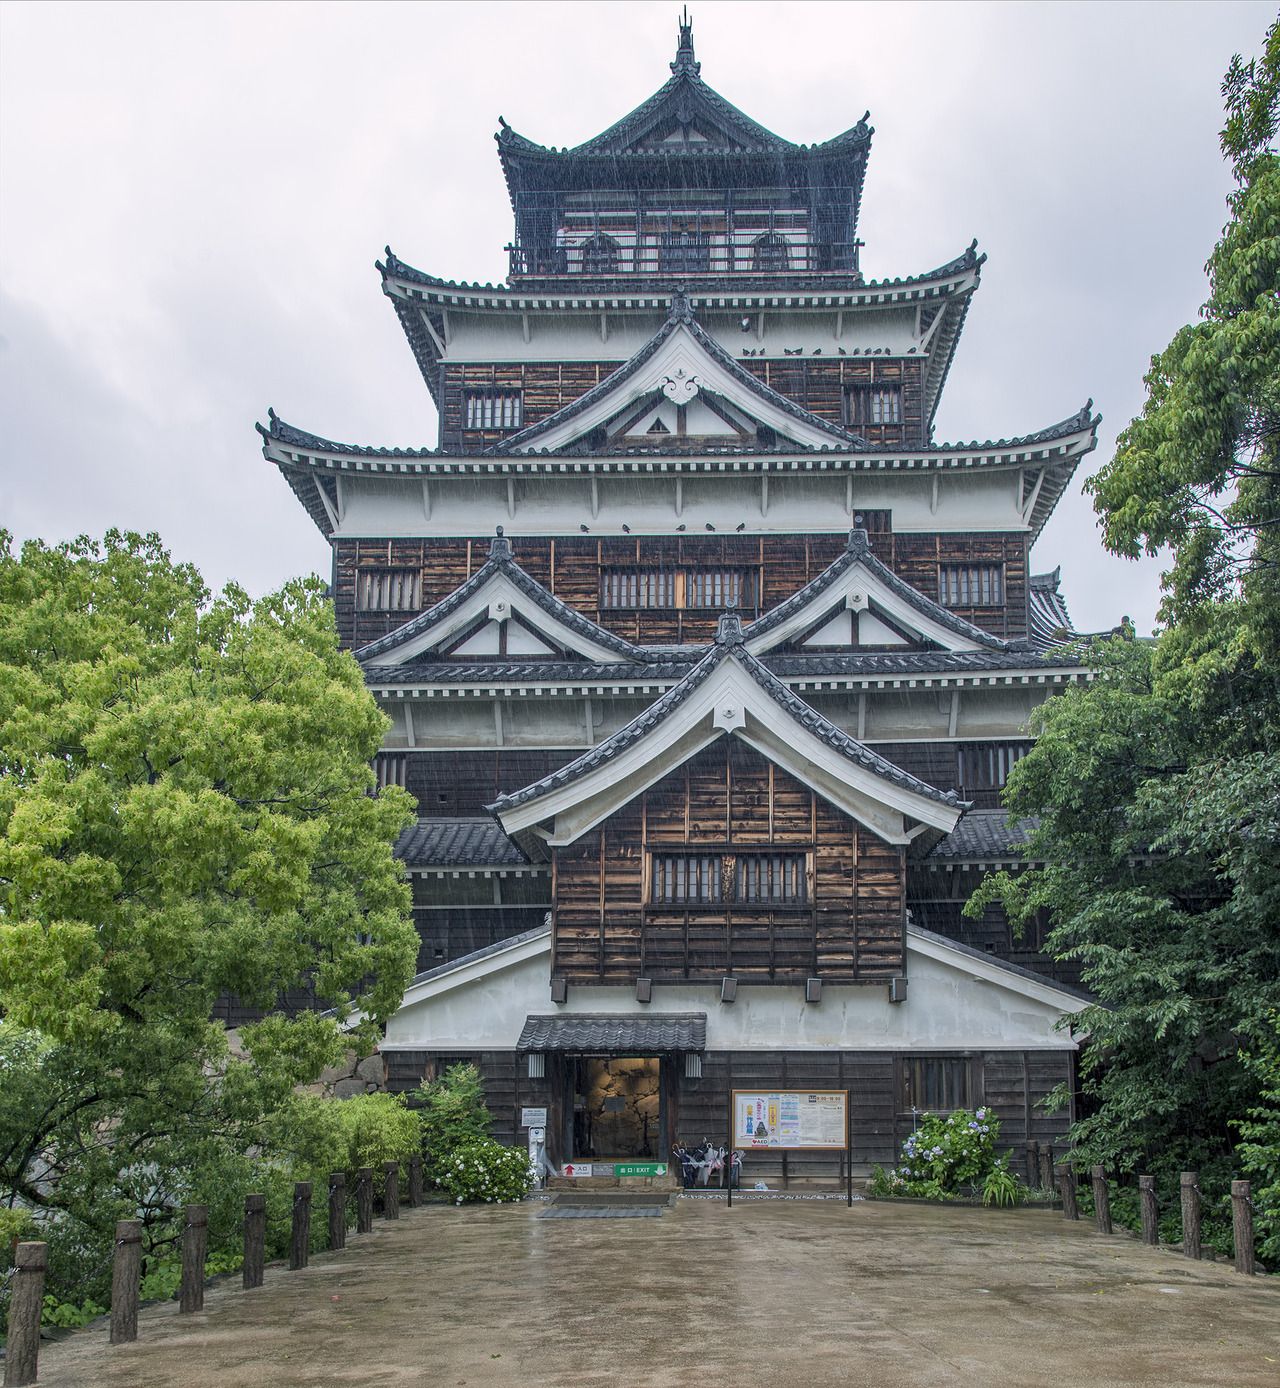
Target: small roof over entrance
{"points": [[612, 1034]]}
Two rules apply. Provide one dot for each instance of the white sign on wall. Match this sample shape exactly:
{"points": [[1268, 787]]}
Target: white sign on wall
{"points": [[533, 1118], [791, 1119]]}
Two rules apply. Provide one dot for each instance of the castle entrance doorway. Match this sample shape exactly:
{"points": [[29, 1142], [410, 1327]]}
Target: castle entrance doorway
{"points": [[617, 1107]]}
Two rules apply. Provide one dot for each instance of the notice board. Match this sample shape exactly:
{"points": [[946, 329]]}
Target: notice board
{"points": [[791, 1120]]}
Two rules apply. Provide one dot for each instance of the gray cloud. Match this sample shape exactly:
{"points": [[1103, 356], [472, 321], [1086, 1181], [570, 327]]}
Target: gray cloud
{"points": [[194, 195]]}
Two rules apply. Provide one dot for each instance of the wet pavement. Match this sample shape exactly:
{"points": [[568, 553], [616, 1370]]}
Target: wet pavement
{"points": [[769, 1293]]}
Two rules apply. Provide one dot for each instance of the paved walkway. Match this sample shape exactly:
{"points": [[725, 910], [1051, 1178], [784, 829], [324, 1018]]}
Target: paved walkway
{"points": [[768, 1295]]}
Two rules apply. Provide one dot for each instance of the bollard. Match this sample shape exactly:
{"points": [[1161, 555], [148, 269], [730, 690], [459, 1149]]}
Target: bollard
{"points": [[300, 1244], [1101, 1201], [1033, 1164], [255, 1240], [364, 1200], [415, 1182], [1046, 1167], [1067, 1185], [126, 1281], [1242, 1226], [391, 1190], [1190, 1214], [195, 1245], [1150, 1214], [26, 1301], [338, 1209]]}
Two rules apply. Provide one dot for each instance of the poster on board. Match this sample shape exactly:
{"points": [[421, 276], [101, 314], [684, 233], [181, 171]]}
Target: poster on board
{"points": [[791, 1119]]}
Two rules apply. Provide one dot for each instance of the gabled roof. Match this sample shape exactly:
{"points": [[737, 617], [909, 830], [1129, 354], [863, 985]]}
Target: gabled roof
{"points": [[728, 692], [1050, 621], [466, 842], [498, 591], [680, 360], [859, 580], [987, 837], [687, 102]]}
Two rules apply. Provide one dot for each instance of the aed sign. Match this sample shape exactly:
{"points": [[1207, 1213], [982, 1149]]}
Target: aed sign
{"points": [[791, 1119], [533, 1118]]}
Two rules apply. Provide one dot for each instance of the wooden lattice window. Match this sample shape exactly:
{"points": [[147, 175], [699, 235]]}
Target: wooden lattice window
{"points": [[680, 878], [493, 409], [935, 1084], [388, 590], [720, 588], [770, 252], [986, 765], [971, 585], [671, 588], [870, 405], [684, 252], [390, 769], [770, 879], [638, 588]]}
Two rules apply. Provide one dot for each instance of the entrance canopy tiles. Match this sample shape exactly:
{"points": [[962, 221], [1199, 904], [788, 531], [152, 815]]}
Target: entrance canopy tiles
{"points": [[651, 1034]]}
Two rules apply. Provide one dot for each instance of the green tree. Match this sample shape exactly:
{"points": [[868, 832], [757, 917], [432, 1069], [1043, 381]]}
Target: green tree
{"points": [[1199, 468], [185, 811]]}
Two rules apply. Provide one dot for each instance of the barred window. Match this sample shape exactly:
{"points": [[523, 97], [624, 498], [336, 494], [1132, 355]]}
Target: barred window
{"points": [[685, 877], [986, 765], [770, 878], [389, 768], [935, 1083], [971, 585], [684, 252], [493, 409], [388, 590], [672, 588], [873, 405], [599, 255]]}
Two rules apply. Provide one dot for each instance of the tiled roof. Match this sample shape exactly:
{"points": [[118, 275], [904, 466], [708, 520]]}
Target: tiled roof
{"points": [[1050, 620], [502, 560], [984, 836], [643, 1033], [498, 947], [994, 961], [728, 646], [457, 843], [858, 551], [680, 315]]}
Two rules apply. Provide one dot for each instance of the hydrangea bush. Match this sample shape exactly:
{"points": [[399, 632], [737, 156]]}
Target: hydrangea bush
{"points": [[485, 1171], [951, 1154]]}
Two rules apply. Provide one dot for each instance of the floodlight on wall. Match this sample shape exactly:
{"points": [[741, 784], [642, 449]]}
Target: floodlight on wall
{"points": [[644, 990], [813, 990], [728, 989], [898, 989], [537, 1065], [693, 1065], [559, 990]]}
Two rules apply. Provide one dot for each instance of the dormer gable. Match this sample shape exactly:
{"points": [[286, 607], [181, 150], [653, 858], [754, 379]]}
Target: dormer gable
{"points": [[858, 603], [499, 613]]}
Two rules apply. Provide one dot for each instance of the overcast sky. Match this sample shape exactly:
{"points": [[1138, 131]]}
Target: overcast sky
{"points": [[192, 197]]}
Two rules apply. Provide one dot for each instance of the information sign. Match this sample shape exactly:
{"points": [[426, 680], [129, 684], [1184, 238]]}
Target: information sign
{"points": [[796, 1120], [577, 1168], [640, 1168], [533, 1118]]}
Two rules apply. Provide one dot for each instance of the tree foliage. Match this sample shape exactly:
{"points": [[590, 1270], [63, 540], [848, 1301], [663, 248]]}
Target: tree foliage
{"points": [[184, 812], [1199, 469]]}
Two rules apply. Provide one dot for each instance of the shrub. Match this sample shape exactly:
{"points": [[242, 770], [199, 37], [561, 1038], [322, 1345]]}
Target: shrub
{"points": [[952, 1154], [452, 1112], [485, 1171], [378, 1128]]}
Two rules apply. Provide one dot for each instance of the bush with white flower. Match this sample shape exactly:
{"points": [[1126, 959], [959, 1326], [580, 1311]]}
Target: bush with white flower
{"points": [[485, 1172], [951, 1154]]}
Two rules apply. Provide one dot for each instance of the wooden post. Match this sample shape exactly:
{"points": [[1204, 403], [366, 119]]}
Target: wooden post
{"points": [[300, 1246], [1101, 1201], [391, 1190], [1033, 1164], [1150, 1214], [1046, 1167], [195, 1245], [364, 1200], [255, 1240], [26, 1302], [1067, 1185], [338, 1209], [415, 1182], [1242, 1226], [126, 1281], [1190, 1214]]}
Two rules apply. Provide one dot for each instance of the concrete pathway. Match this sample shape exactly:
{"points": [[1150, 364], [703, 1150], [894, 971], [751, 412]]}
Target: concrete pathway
{"points": [[768, 1295]]}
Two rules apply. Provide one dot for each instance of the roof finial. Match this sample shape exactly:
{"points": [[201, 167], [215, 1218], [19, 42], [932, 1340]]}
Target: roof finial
{"points": [[684, 49], [729, 629]]}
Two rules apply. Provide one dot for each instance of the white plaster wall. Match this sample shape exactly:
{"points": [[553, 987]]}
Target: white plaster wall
{"points": [[948, 1007]]}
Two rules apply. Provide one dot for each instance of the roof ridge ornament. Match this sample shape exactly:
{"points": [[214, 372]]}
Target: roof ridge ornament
{"points": [[684, 62], [859, 542], [681, 309], [729, 630], [500, 546]]}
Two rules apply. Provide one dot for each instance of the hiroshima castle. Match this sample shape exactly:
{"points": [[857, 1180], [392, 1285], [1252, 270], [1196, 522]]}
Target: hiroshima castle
{"points": [[704, 660]]}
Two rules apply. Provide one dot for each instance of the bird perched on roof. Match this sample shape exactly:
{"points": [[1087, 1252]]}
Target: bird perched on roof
{"points": [[842, 352], [681, 527], [792, 351], [582, 527], [742, 525], [817, 351], [626, 528], [710, 526]]}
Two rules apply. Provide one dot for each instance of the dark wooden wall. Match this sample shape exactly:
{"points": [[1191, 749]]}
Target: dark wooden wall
{"points": [[570, 566], [850, 928], [817, 385]]}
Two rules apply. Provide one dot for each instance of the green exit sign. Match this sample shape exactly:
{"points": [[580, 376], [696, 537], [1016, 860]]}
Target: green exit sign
{"points": [[640, 1168]]}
